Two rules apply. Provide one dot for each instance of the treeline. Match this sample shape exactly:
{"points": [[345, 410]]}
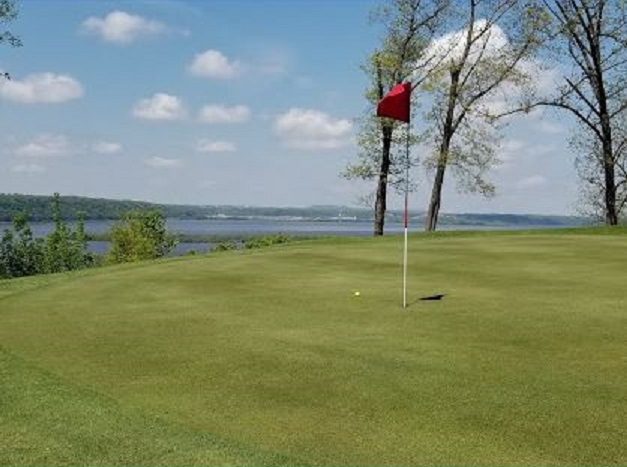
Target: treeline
{"points": [[37, 207], [136, 236], [511, 220], [38, 210]]}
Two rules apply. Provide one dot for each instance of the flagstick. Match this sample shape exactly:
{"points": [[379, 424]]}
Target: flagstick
{"points": [[406, 221], [396, 104]]}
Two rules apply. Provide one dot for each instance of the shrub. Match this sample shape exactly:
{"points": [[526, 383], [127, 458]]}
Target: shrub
{"points": [[266, 241], [140, 235]]}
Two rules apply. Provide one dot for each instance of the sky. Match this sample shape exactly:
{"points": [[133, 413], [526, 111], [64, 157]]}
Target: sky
{"points": [[240, 102]]}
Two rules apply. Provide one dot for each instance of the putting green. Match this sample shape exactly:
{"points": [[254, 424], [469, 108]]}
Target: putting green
{"points": [[267, 357]]}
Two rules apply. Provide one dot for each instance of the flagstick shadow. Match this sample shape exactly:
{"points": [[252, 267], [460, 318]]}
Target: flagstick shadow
{"points": [[428, 298]]}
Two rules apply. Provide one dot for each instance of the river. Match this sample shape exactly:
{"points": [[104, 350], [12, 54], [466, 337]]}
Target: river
{"points": [[237, 228]]}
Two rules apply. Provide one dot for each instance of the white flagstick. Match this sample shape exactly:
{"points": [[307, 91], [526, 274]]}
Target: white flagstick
{"points": [[405, 259], [406, 221]]}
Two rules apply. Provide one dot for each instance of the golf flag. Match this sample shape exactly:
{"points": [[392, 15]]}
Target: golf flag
{"points": [[396, 103]]}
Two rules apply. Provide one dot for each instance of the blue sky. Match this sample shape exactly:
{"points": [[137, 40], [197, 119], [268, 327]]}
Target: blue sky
{"points": [[221, 102]]}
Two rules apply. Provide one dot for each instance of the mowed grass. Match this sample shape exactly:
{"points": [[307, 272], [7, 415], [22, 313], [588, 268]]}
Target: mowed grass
{"points": [[267, 357]]}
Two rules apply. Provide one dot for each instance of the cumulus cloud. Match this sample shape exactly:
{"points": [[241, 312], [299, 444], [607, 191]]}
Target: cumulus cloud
{"points": [[106, 147], [28, 168], [45, 146], [163, 163], [214, 64], [41, 88], [490, 44], [223, 114], [449, 48], [160, 106], [531, 182], [205, 145], [122, 28], [312, 129]]}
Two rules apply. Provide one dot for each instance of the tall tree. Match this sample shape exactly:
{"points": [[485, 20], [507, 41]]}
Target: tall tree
{"points": [[8, 12], [487, 60], [408, 28], [590, 165], [591, 40]]}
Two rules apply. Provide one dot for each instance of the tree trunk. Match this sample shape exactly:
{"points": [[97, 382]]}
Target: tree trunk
{"points": [[611, 215], [382, 184], [448, 130], [431, 220], [598, 84]]}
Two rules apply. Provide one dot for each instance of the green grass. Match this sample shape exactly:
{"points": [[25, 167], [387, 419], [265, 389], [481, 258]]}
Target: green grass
{"points": [[267, 358]]}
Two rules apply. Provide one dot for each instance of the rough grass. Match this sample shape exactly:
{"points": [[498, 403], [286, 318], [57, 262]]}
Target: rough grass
{"points": [[266, 357]]}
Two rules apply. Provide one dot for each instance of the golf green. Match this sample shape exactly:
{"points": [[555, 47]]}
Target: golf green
{"points": [[268, 357]]}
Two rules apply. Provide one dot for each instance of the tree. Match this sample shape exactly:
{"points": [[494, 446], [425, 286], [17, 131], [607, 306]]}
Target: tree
{"points": [[591, 39], [408, 25], [66, 249], [485, 63], [8, 12], [590, 168], [63, 249], [21, 254], [140, 235]]}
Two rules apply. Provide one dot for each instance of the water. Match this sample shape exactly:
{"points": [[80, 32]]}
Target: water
{"points": [[234, 228], [238, 228]]}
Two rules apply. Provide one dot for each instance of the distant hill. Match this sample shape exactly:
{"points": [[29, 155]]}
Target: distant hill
{"points": [[38, 209]]}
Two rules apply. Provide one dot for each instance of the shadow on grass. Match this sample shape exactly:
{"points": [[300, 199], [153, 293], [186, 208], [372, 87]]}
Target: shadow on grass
{"points": [[427, 298]]}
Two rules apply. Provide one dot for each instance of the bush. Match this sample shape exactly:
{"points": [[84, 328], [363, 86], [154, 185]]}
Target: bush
{"points": [[20, 254], [66, 249], [63, 249], [226, 246], [139, 235], [266, 241]]}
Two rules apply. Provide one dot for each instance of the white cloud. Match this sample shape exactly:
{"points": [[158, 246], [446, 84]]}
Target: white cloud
{"points": [[205, 145], [510, 151], [223, 114], [214, 64], [449, 48], [160, 106], [122, 28], [551, 128], [531, 182], [546, 76], [492, 43], [515, 153], [106, 147], [41, 88], [312, 129], [163, 163], [45, 145], [28, 168]]}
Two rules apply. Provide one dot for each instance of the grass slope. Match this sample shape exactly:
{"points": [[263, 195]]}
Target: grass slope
{"points": [[266, 357]]}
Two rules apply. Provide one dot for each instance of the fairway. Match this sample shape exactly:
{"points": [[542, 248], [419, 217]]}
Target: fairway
{"points": [[267, 357]]}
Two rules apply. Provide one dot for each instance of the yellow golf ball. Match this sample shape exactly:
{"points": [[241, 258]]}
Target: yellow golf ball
{"points": [[357, 294]]}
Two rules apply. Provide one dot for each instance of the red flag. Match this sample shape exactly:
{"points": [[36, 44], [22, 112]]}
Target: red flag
{"points": [[396, 103]]}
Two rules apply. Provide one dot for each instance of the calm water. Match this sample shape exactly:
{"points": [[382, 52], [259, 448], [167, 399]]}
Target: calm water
{"points": [[238, 228]]}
